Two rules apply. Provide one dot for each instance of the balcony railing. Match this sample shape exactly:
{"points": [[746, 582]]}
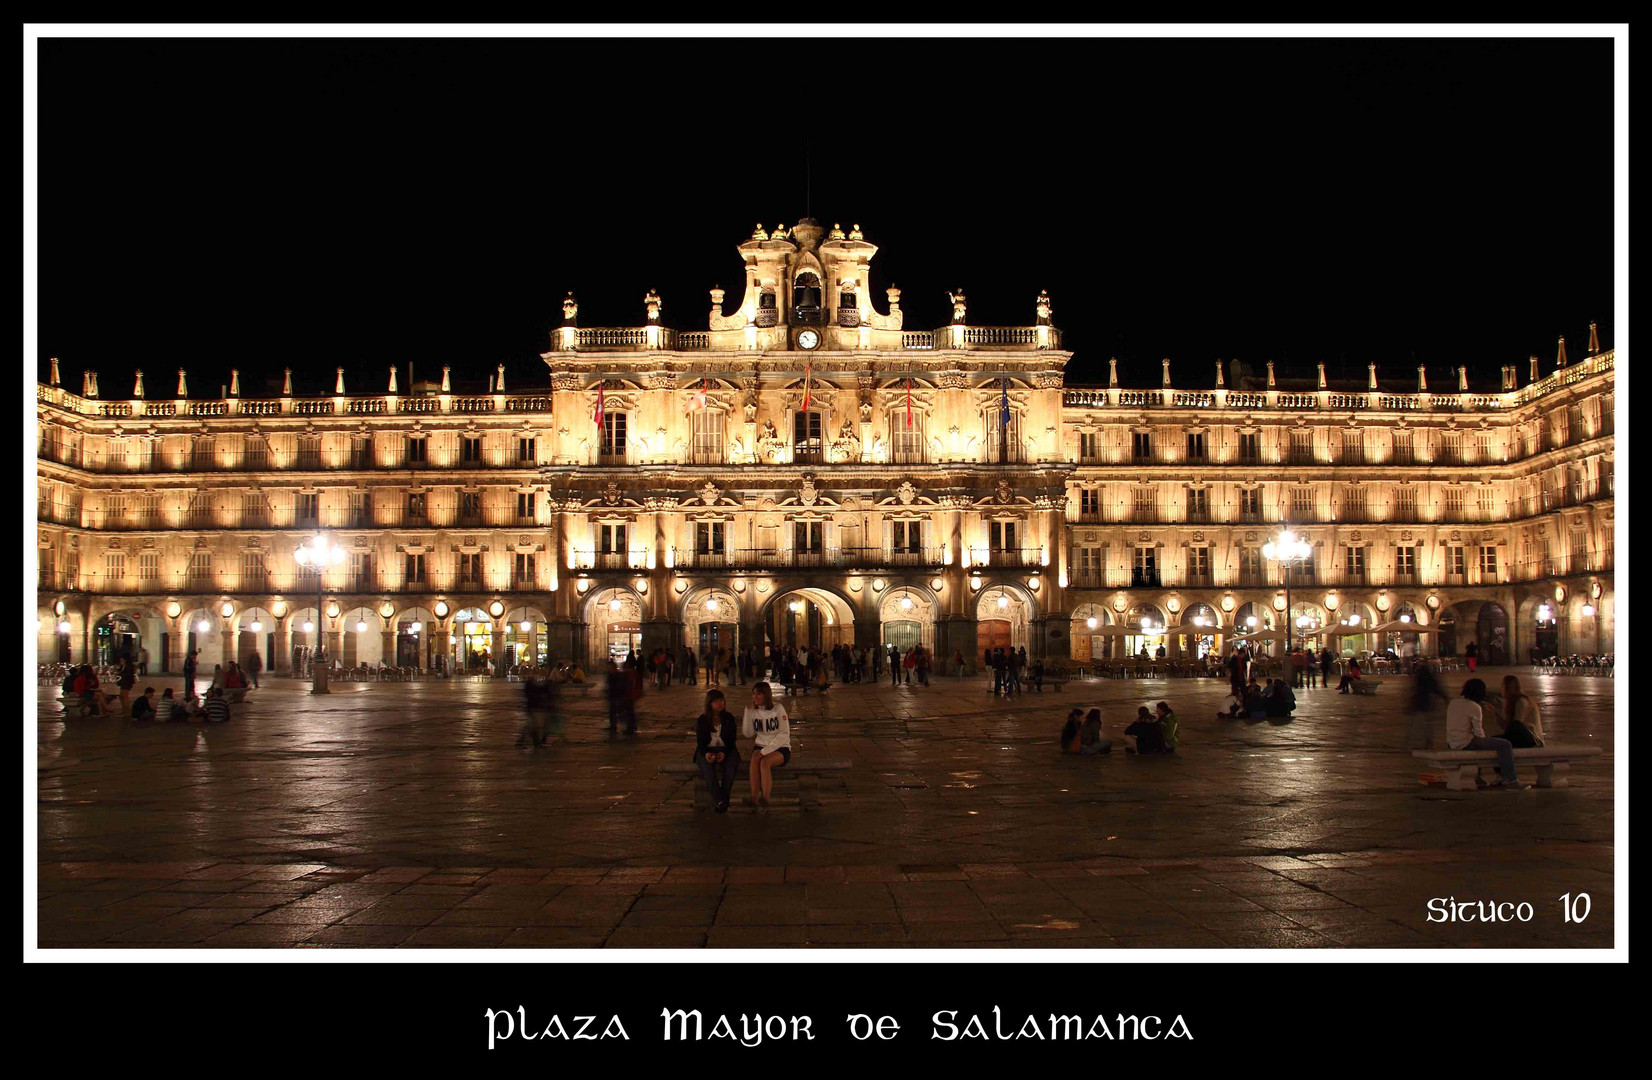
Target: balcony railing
{"points": [[1029, 557], [59, 580], [1145, 579]]}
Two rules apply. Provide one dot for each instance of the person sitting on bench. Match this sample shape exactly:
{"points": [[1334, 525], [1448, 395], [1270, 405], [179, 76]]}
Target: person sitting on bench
{"points": [[770, 728], [715, 751], [1089, 737], [1352, 676], [1522, 722], [1465, 730]]}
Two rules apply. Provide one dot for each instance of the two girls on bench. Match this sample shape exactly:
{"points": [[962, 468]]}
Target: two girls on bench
{"points": [[768, 725]]}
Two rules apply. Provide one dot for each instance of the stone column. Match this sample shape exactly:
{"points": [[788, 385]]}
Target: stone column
{"points": [[282, 663], [175, 644], [498, 650], [387, 646], [438, 638], [335, 647], [228, 638]]}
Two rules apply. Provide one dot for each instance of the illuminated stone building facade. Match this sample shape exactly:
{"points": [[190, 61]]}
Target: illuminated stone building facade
{"points": [[807, 469]]}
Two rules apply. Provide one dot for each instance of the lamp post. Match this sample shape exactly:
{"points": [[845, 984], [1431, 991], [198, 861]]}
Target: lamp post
{"points": [[1286, 548], [320, 553]]}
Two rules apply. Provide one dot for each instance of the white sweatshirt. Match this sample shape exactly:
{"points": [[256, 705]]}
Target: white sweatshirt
{"points": [[770, 728]]}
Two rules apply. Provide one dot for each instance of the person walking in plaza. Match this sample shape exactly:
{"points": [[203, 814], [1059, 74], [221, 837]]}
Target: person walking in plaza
{"points": [[1012, 672], [1465, 730], [1472, 655], [125, 680], [190, 667], [143, 661], [715, 750], [1310, 670], [255, 664], [1425, 687], [1299, 666], [539, 694], [1522, 720], [1327, 664], [894, 666], [768, 726], [922, 665], [620, 704], [689, 674]]}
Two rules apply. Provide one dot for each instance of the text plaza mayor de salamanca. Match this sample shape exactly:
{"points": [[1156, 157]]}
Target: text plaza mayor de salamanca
{"points": [[809, 470]]}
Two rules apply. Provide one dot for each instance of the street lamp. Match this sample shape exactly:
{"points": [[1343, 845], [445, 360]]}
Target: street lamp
{"points": [[1286, 548], [320, 553]]}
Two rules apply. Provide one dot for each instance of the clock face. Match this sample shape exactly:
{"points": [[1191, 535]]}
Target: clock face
{"points": [[808, 339]]}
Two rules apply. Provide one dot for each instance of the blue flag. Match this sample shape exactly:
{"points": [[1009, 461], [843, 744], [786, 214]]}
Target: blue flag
{"points": [[1004, 407]]}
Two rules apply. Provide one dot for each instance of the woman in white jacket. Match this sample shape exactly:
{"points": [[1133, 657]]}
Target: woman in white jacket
{"points": [[770, 728]]}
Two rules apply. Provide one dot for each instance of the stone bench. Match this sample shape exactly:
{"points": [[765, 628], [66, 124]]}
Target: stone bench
{"points": [[1462, 767], [805, 772], [1365, 685], [802, 689]]}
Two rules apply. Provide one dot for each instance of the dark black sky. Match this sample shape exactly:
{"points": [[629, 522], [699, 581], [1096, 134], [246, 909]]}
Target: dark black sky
{"points": [[264, 204]]}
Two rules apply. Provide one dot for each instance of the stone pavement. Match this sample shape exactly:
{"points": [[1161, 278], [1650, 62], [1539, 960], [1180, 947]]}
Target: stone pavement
{"points": [[403, 815]]}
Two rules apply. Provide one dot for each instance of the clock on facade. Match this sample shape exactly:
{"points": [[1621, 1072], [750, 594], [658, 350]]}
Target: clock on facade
{"points": [[808, 339]]}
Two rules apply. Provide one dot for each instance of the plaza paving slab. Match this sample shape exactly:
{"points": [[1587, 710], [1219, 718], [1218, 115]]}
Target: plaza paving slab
{"points": [[403, 815]]}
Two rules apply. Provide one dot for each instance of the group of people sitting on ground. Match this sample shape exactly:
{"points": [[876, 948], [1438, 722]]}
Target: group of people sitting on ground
{"points": [[167, 709], [1151, 733], [1257, 701], [717, 753]]}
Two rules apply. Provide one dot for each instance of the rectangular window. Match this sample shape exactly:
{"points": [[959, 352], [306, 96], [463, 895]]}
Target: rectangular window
{"points": [[527, 450], [1144, 568], [1353, 447], [413, 569], [708, 437], [1198, 504], [415, 507], [1250, 504], [361, 509], [415, 450], [117, 455], [1003, 536], [114, 512], [308, 509], [708, 538], [149, 566], [1488, 563], [1454, 561], [1196, 446], [252, 569], [204, 456], [309, 451], [1142, 504], [149, 510], [806, 537], [470, 568], [1402, 448], [1451, 447], [1089, 446], [525, 506], [1302, 504], [1141, 446], [906, 444], [361, 452], [522, 570], [1485, 501], [1453, 502], [1353, 504], [1089, 563], [806, 437], [1405, 561], [1089, 502], [611, 539], [1250, 566], [361, 570], [1302, 448], [907, 537], [200, 569], [1198, 565], [470, 507], [470, 449], [114, 569], [613, 435], [1405, 503], [1354, 564], [1250, 446]]}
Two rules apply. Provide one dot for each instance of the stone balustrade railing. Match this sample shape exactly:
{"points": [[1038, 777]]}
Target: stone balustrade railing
{"points": [[1073, 397]]}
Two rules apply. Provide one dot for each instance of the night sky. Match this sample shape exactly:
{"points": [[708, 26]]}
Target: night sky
{"points": [[266, 204]]}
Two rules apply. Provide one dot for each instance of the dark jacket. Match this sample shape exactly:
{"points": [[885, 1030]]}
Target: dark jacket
{"points": [[1519, 735], [729, 729], [143, 709]]}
